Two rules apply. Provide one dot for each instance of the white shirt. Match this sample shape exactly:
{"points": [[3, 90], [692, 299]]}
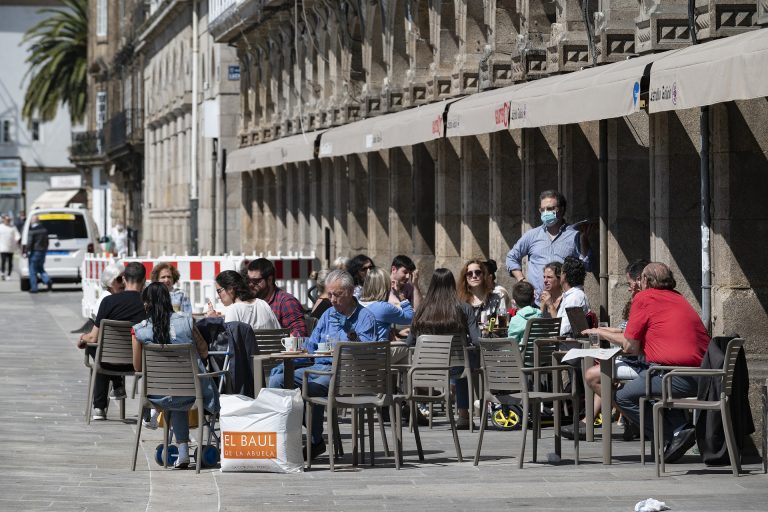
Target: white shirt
{"points": [[574, 297], [9, 238], [257, 314]]}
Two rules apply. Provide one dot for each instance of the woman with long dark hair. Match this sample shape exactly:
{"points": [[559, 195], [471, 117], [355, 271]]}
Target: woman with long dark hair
{"points": [[441, 312], [163, 326], [240, 303], [358, 267]]}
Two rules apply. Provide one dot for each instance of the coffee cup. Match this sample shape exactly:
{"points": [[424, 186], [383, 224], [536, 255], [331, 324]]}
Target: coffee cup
{"points": [[290, 344], [323, 346]]}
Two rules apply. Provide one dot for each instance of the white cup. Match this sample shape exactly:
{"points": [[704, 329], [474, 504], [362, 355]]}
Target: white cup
{"points": [[290, 344], [323, 346]]}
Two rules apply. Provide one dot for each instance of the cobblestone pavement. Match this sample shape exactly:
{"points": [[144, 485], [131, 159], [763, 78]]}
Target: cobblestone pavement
{"points": [[54, 461]]}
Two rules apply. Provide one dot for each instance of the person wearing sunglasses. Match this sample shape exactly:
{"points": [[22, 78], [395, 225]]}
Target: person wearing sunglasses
{"points": [[475, 287], [240, 303], [358, 267], [554, 240]]}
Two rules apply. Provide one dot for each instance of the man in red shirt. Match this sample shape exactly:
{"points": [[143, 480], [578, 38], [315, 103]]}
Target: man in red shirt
{"points": [[286, 307], [665, 329]]}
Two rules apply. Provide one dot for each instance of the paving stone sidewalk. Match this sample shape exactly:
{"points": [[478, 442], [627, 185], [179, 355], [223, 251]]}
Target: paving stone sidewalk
{"points": [[54, 461]]}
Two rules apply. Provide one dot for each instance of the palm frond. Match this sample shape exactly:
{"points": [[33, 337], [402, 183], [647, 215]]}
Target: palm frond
{"points": [[57, 62]]}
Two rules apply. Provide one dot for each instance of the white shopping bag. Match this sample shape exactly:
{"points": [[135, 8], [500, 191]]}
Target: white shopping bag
{"points": [[262, 434]]}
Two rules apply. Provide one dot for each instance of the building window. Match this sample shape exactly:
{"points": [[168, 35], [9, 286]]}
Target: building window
{"points": [[101, 18], [35, 130], [101, 109], [6, 131]]}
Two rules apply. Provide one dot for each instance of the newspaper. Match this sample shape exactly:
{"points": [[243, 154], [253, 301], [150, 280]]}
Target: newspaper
{"points": [[596, 353]]}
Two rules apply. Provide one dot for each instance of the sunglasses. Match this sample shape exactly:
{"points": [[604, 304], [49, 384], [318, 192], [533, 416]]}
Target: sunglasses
{"points": [[255, 280], [475, 273], [219, 290]]}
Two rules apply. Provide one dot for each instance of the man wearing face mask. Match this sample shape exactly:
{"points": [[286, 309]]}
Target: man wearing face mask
{"points": [[554, 240]]}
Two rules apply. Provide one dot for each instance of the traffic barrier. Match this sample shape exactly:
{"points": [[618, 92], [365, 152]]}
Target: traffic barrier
{"points": [[197, 275]]}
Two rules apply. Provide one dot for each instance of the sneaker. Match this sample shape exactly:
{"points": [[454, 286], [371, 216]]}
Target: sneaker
{"points": [[182, 461], [151, 424], [316, 450], [99, 414], [682, 441], [566, 431], [462, 423], [118, 393]]}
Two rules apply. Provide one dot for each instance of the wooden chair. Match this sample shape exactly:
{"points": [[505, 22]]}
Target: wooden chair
{"points": [[506, 382], [667, 401], [171, 370], [360, 380], [114, 349]]}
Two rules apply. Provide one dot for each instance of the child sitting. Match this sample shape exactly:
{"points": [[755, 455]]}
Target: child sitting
{"points": [[522, 294]]}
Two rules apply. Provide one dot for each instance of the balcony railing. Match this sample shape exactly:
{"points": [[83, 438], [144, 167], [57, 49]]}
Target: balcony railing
{"points": [[126, 127], [86, 144], [217, 7]]}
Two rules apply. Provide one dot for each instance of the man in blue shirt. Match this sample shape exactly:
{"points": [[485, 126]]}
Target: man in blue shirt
{"points": [[347, 320], [554, 240]]}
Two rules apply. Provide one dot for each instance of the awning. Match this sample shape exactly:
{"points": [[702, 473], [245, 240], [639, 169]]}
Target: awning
{"points": [[484, 112], [296, 148], [55, 198], [412, 126], [602, 92], [732, 68], [299, 148]]}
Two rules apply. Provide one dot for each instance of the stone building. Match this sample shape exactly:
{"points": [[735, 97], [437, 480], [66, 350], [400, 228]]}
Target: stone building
{"points": [[137, 144], [190, 102], [312, 65]]}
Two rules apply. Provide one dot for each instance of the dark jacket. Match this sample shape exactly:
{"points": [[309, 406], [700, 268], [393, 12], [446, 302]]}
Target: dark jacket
{"points": [[709, 427], [37, 238], [238, 339]]}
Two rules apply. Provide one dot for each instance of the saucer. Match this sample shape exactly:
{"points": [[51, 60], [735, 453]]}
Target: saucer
{"points": [[291, 351], [330, 352]]}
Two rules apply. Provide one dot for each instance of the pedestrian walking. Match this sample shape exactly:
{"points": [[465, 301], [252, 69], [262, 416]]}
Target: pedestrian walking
{"points": [[9, 241], [35, 249]]}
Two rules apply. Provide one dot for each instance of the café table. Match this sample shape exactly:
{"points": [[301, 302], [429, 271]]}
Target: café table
{"points": [[289, 366]]}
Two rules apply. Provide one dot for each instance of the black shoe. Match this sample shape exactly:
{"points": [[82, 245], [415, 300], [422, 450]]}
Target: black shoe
{"points": [[317, 450], [421, 419], [566, 431], [631, 431], [50, 284], [682, 441]]}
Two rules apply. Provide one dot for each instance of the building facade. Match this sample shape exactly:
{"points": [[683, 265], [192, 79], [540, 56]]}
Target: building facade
{"points": [[315, 64], [40, 148]]}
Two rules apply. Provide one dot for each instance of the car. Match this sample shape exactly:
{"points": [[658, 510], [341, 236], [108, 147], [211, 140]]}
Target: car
{"points": [[72, 233]]}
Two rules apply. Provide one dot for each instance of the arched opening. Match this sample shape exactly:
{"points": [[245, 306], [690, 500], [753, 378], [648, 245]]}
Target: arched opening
{"points": [[449, 38], [507, 26], [423, 54], [477, 30]]}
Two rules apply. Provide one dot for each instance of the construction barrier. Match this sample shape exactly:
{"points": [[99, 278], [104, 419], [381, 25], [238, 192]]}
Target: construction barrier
{"points": [[198, 273]]}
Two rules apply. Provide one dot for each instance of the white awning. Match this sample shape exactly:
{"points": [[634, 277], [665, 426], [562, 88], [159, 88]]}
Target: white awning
{"points": [[295, 148], [603, 92], [412, 126], [55, 198], [299, 148], [732, 68], [484, 112]]}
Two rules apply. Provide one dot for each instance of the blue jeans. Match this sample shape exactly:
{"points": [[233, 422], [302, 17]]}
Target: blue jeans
{"points": [[628, 400], [462, 391], [318, 386], [177, 407], [36, 262]]}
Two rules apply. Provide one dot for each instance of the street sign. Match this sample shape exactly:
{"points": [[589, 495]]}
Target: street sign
{"points": [[10, 177], [233, 72]]}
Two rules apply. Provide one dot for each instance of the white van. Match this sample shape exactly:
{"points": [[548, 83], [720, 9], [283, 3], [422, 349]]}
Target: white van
{"points": [[71, 233]]}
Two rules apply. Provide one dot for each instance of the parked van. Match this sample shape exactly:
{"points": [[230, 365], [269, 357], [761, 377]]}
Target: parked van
{"points": [[72, 232]]}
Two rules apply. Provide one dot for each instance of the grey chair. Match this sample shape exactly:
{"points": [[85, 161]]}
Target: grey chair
{"points": [[460, 356], [171, 370], [361, 379], [429, 370], [268, 342], [667, 401], [506, 383], [114, 350]]}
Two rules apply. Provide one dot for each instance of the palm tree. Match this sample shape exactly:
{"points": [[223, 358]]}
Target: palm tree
{"points": [[58, 63]]}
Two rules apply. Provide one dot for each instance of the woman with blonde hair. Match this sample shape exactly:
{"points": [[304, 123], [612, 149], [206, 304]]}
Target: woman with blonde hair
{"points": [[374, 298]]}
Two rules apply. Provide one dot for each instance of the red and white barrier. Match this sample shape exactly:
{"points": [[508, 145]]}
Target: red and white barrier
{"points": [[198, 273]]}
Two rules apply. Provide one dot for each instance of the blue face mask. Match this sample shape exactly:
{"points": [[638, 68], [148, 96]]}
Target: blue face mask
{"points": [[548, 218]]}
